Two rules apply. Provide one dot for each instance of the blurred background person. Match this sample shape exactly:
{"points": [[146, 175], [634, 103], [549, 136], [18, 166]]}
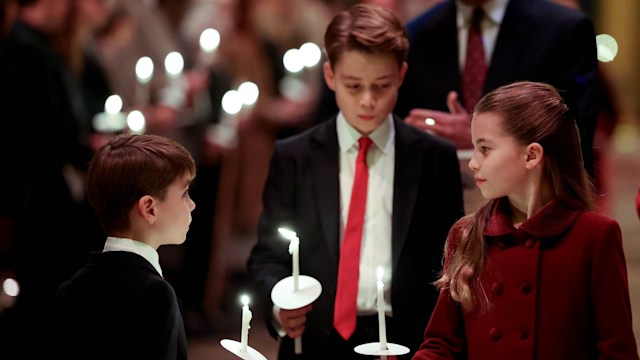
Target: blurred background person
{"points": [[45, 149]]}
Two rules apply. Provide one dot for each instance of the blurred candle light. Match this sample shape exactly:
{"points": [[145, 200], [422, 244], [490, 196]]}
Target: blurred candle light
{"points": [[231, 102], [607, 47], [311, 54], [293, 61], [174, 64], [209, 40], [136, 122], [246, 319], [144, 73], [248, 93]]}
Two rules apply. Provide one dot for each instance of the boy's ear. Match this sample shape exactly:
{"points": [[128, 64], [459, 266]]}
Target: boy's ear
{"points": [[146, 207], [328, 75], [403, 72], [534, 152]]}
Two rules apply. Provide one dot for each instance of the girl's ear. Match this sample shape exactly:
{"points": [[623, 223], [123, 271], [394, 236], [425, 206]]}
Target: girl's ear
{"points": [[534, 152], [146, 208]]}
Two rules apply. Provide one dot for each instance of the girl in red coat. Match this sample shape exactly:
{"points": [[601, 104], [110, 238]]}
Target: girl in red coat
{"points": [[535, 273]]}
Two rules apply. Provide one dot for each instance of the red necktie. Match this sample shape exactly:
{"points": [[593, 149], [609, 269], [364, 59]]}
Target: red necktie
{"points": [[344, 317], [475, 67]]}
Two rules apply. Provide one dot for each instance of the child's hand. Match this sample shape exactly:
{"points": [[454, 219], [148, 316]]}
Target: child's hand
{"points": [[294, 320]]}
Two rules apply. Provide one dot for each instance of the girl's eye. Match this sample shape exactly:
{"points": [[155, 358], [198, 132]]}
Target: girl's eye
{"points": [[484, 149], [353, 86]]}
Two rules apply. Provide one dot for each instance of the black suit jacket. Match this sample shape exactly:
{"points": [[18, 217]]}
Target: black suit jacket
{"points": [[302, 192], [538, 41], [118, 307]]}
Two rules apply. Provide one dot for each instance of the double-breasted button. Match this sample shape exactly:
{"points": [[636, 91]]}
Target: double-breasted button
{"points": [[497, 288], [495, 334], [529, 243], [524, 334], [525, 288]]}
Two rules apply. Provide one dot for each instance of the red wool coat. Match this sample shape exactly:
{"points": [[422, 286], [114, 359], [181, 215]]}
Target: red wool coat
{"points": [[558, 290]]}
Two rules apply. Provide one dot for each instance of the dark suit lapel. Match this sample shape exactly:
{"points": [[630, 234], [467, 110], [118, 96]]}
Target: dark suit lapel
{"points": [[408, 167], [510, 45], [324, 160]]}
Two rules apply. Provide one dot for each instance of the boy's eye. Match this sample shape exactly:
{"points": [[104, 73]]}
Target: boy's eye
{"points": [[353, 86], [484, 149]]}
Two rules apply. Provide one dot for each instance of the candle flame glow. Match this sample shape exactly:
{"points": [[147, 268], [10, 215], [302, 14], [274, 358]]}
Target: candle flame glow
{"points": [[380, 273], [288, 234], [244, 299]]}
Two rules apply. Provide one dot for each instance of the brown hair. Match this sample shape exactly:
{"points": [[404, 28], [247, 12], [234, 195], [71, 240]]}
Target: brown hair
{"points": [[129, 167], [531, 112], [368, 28]]}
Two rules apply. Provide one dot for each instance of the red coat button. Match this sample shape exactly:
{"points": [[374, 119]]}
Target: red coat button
{"points": [[529, 243], [524, 334], [525, 288], [495, 334], [497, 288]]}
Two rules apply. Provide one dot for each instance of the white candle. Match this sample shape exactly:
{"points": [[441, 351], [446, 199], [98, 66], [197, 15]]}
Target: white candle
{"points": [[381, 319], [294, 248], [246, 319]]}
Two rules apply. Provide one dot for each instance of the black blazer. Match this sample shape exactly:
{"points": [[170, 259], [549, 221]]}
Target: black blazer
{"points": [[118, 307], [302, 192], [538, 41]]}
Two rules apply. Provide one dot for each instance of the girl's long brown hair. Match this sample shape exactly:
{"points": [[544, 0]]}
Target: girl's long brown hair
{"points": [[531, 112]]}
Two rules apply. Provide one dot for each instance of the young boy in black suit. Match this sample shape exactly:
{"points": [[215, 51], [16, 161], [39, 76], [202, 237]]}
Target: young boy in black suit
{"points": [[118, 306], [406, 193]]}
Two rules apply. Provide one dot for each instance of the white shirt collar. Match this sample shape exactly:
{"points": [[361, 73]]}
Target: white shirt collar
{"points": [[136, 247], [382, 137], [493, 9]]}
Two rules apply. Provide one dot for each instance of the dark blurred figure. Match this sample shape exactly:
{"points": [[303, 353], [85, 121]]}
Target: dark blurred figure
{"points": [[44, 152], [534, 40]]}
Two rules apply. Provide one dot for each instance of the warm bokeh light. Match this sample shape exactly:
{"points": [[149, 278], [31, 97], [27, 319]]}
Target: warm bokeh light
{"points": [[288, 234], [144, 69], [248, 92], [136, 121], [293, 60], [11, 287], [231, 102], [311, 54], [113, 105], [174, 63], [607, 47], [209, 40]]}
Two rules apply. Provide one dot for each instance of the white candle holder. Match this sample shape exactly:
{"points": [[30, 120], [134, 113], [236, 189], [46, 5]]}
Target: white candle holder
{"points": [[235, 348]]}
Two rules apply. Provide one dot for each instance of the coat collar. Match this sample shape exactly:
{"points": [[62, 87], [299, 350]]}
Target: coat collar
{"points": [[552, 220]]}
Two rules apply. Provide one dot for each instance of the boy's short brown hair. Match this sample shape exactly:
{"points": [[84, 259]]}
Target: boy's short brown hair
{"points": [[368, 28], [129, 167]]}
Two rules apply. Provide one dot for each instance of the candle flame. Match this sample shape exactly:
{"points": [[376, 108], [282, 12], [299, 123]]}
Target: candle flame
{"points": [[288, 234], [380, 273], [244, 299]]}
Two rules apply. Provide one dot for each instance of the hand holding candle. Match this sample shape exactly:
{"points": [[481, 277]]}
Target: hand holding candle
{"points": [[381, 313], [246, 319]]}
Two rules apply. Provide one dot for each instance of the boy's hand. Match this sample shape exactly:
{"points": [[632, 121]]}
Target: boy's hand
{"points": [[294, 320]]}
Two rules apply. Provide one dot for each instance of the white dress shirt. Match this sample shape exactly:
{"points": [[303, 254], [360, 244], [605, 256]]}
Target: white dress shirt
{"points": [[376, 237]]}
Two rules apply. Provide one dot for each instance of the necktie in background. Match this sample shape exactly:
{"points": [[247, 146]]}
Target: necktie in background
{"points": [[475, 66], [344, 317]]}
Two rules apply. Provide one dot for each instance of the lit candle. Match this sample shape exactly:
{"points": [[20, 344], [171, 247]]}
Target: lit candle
{"points": [[294, 247], [381, 320], [246, 319], [144, 73]]}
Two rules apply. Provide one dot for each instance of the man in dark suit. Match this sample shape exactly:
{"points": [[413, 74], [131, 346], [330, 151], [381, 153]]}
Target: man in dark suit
{"points": [[413, 195], [534, 40]]}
